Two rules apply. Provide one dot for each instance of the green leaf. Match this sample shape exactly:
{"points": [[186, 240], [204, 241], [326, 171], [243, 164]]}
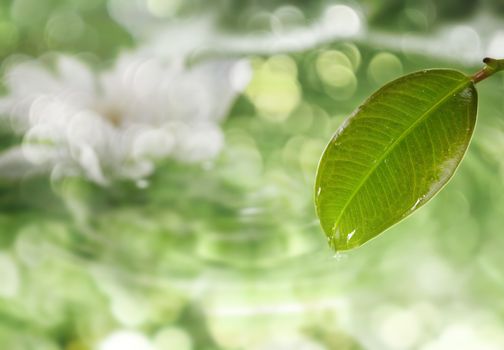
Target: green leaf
{"points": [[393, 154]]}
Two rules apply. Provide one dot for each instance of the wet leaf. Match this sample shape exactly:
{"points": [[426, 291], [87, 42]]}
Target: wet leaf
{"points": [[393, 154]]}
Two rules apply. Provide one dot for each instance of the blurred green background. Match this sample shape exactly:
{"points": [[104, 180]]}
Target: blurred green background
{"points": [[214, 243]]}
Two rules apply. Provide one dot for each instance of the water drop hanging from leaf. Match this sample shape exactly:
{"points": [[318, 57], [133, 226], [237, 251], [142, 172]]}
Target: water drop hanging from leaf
{"points": [[395, 152]]}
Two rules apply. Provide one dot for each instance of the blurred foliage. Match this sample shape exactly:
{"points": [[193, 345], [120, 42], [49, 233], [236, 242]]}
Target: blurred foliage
{"points": [[229, 254], [34, 27], [394, 15]]}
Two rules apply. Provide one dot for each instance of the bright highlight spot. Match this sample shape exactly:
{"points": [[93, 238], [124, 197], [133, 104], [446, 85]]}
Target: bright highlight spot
{"points": [[464, 43], [126, 340], [336, 72], [172, 338], [275, 90], [384, 67], [496, 46], [240, 75], [353, 54], [400, 329], [9, 273], [163, 8], [342, 20]]}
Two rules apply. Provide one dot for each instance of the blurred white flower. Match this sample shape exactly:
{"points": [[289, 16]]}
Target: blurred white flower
{"points": [[116, 123]]}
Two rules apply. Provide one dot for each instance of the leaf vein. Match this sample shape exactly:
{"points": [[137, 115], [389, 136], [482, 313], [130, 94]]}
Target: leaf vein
{"points": [[390, 148]]}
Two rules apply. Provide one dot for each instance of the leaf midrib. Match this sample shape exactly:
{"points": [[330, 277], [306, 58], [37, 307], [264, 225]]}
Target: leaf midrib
{"points": [[413, 126]]}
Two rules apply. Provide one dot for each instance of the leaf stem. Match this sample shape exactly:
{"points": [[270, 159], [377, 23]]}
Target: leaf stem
{"points": [[491, 67]]}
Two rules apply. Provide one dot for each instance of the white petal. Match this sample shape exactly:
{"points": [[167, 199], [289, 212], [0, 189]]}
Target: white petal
{"points": [[14, 164], [52, 111], [44, 134], [41, 156], [146, 78], [199, 143], [30, 79], [5, 105], [153, 144], [15, 112], [88, 160], [77, 80], [89, 128], [187, 100], [214, 77]]}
